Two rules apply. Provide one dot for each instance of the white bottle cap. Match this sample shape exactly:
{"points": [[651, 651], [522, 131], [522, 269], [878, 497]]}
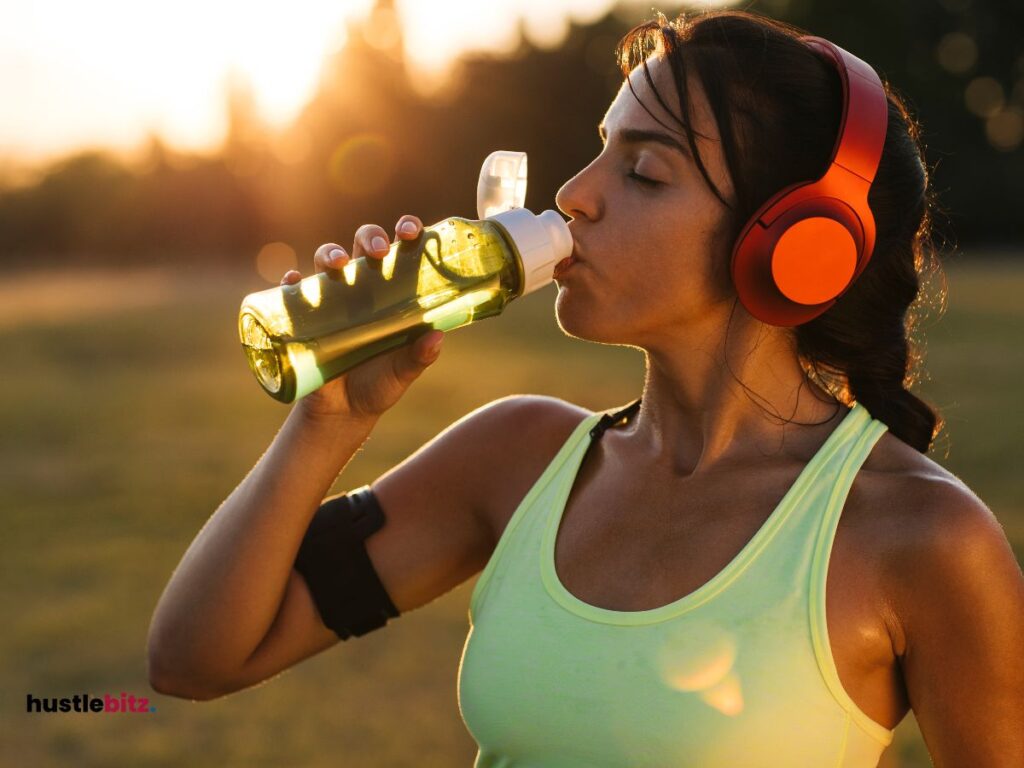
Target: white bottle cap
{"points": [[542, 242], [502, 184]]}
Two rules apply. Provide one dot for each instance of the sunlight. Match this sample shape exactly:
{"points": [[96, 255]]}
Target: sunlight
{"points": [[436, 33], [702, 660], [458, 310], [111, 73], [310, 290]]}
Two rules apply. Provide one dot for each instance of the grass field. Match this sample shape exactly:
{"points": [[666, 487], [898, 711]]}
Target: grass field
{"points": [[130, 414]]}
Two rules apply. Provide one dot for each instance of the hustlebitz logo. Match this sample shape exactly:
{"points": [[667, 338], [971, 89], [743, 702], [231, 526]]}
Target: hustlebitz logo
{"points": [[126, 703]]}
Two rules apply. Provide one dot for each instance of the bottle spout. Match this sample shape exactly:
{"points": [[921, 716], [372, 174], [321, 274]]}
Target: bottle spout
{"points": [[502, 184], [541, 241]]}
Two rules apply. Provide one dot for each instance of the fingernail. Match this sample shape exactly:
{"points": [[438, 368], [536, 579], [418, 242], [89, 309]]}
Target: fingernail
{"points": [[335, 254], [379, 243], [407, 228]]}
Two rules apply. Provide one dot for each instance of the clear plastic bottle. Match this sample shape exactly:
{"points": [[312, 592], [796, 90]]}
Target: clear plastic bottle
{"points": [[458, 271]]}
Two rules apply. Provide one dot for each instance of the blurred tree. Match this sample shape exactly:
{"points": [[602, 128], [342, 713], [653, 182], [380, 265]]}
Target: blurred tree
{"points": [[933, 51], [368, 147], [69, 209]]}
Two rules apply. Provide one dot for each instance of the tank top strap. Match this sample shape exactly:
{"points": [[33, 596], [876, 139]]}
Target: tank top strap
{"points": [[819, 495], [789, 549], [838, 489], [609, 419], [860, 443], [535, 504]]}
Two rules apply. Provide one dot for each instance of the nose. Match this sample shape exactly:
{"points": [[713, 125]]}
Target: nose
{"points": [[578, 196]]}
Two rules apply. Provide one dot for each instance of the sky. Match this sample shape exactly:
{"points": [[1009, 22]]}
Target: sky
{"points": [[110, 73]]}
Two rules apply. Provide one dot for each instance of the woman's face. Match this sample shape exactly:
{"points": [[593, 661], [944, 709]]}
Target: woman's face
{"points": [[652, 261]]}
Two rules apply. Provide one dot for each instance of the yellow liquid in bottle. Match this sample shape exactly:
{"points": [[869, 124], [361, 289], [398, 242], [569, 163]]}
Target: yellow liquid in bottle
{"points": [[298, 337]]}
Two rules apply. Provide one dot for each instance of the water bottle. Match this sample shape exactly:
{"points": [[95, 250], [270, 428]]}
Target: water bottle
{"points": [[458, 271]]}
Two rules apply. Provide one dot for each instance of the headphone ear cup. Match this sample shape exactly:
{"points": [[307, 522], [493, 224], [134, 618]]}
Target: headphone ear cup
{"points": [[791, 270], [814, 260]]}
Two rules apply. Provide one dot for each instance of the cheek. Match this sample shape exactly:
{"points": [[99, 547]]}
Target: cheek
{"points": [[678, 276], [720, 245], [676, 263], [699, 252], [656, 268]]}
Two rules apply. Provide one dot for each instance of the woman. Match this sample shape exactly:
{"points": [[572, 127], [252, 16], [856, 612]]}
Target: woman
{"points": [[754, 564]]}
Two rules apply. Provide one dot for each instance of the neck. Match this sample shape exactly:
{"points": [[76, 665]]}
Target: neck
{"points": [[696, 416]]}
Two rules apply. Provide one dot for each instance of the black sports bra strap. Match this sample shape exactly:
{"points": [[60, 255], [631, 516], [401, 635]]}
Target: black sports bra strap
{"points": [[613, 418]]}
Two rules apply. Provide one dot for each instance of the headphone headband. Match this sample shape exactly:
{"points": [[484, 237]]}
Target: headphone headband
{"points": [[806, 244], [865, 112]]}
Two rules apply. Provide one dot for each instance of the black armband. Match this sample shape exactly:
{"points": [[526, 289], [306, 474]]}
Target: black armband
{"points": [[340, 575]]}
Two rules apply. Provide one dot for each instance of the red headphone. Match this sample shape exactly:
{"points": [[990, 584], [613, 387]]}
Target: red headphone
{"points": [[804, 247]]}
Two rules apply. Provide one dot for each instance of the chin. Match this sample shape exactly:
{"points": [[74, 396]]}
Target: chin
{"points": [[584, 322]]}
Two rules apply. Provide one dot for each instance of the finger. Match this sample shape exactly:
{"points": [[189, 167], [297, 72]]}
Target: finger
{"points": [[372, 241], [329, 256], [412, 359], [324, 249], [291, 276], [408, 227], [428, 346]]}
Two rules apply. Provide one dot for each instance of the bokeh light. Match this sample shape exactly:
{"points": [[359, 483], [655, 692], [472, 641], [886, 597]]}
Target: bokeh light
{"points": [[1005, 129], [702, 660], [957, 52], [1017, 93], [984, 96], [274, 259], [726, 696], [362, 165]]}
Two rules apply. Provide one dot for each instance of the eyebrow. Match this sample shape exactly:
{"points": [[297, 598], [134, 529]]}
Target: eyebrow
{"points": [[638, 136]]}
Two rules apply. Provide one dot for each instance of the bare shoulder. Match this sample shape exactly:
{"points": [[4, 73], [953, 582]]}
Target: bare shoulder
{"points": [[441, 502], [518, 435], [956, 592], [923, 526], [482, 460], [906, 500], [516, 425], [919, 494]]}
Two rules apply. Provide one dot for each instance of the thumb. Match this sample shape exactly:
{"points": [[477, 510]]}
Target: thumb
{"points": [[414, 358]]}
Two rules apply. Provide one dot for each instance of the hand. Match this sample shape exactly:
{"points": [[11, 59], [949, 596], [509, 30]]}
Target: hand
{"points": [[370, 388]]}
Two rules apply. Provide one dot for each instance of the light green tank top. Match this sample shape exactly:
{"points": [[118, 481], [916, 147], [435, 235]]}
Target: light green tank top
{"points": [[737, 674]]}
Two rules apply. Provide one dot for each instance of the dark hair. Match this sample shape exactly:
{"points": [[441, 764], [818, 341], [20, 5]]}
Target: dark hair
{"points": [[767, 89]]}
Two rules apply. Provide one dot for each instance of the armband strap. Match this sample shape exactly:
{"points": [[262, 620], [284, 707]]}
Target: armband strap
{"points": [[345, 587]]}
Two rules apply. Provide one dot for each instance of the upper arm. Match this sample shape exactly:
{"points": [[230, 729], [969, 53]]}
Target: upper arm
{"points": [[437, 503], [437, 531], [961, 607]]}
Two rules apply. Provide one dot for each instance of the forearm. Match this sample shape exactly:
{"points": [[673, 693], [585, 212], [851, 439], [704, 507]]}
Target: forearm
{"points": [[225, 593]]}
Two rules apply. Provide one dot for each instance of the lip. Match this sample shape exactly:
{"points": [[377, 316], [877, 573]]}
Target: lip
{"points": [[565, 264], [571, 260]]}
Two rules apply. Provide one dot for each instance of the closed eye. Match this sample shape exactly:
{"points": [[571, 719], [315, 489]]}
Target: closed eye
{"points": [[643, 179]]}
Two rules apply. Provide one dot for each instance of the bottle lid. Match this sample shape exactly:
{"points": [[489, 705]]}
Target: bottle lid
{"points": [[502, 184], [542, 242]]}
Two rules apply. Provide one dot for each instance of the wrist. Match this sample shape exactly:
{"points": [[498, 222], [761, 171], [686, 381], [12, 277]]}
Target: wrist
{"points": [[310, 416]]}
